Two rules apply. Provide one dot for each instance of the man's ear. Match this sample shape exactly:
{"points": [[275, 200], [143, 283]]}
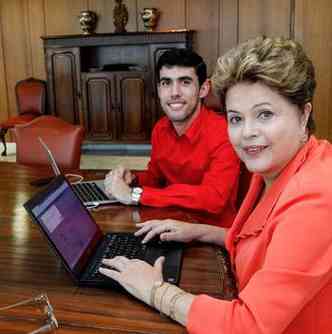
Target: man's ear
{"points": [[205, 89], [306, 114]]}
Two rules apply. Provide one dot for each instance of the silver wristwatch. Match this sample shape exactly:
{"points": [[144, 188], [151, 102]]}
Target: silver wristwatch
{"points": [[136, 194]]}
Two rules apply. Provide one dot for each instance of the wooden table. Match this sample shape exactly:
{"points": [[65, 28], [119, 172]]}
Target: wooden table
{"points": [[27, 268]]}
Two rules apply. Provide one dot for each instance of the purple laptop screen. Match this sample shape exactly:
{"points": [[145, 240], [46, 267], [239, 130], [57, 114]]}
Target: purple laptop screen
{"points": [[66, 222]]}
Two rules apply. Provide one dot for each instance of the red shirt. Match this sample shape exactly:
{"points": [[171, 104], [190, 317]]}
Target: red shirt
{"points": [[197, 170], [281, 250]]}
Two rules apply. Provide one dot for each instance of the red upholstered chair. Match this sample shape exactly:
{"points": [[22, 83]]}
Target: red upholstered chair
{"points": [[31, 103], [63, 139]]}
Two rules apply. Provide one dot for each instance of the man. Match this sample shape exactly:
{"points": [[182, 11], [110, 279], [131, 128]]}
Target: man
{"points": [[192, 163]]}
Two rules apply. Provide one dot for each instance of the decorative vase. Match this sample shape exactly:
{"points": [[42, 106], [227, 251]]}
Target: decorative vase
{"points": [[150, 18], [88, 21], [120, 16]]}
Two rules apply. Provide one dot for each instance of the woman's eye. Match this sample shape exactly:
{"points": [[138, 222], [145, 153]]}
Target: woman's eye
{"points": [[265, 115]]}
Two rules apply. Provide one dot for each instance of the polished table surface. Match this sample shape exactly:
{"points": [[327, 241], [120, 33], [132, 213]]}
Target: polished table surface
{"points": [[28, 267]]}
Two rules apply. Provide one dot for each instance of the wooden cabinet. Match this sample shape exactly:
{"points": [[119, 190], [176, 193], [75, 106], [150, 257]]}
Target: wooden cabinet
{"points": [[99, 105], [63, 69], [133, 106], [116, 106], [107, 82]]}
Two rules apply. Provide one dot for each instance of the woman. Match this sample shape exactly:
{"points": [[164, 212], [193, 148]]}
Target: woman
{"points": [[281, 240]]}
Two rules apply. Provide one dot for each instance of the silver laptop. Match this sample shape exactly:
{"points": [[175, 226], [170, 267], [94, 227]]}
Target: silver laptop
{"points": [[91, 193]]}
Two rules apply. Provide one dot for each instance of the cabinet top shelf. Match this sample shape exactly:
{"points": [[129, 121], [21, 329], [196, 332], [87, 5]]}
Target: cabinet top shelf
{"points": [[139, 37]]}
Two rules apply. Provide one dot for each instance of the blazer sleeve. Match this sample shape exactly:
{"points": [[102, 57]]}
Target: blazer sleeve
{"points": [[296, 267]]}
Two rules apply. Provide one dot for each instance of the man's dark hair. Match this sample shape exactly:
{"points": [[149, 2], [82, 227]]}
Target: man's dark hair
{"points": [[183, 58]]}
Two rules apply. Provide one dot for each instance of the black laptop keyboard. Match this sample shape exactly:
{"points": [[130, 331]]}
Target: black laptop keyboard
{"points": [[127, 245], [89, 192]]}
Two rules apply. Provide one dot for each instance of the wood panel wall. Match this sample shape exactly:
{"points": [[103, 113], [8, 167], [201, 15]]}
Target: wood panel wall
{"points": [[220, 25]]}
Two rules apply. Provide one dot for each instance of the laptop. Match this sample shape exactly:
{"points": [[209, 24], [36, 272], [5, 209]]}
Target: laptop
{"points": [[81, 245], [91, 193]]}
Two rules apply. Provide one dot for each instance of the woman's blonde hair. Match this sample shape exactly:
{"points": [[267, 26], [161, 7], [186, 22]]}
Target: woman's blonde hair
{"points": [[278, 63]]}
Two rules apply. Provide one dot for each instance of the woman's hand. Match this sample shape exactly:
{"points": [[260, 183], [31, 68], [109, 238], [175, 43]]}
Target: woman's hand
{"points": [[176, 230], [136, 276], [168, 230]]}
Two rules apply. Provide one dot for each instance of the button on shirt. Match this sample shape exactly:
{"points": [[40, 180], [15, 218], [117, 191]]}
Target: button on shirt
{"points": [[197, 170]]}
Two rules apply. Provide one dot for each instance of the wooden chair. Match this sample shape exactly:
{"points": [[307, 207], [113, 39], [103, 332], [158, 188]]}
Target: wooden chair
{"points": [[31, 103], [63, 139]]}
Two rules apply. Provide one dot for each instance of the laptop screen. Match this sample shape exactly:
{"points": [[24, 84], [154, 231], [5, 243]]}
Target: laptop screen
{"points": [[65, 221]]}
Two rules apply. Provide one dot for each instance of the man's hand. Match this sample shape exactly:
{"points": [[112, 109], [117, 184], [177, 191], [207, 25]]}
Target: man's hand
{"points": [[127, 176], [116, 185]]}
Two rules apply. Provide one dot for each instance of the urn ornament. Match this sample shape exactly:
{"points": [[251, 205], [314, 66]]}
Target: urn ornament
{"points": [[88, 21], [150, 18]]}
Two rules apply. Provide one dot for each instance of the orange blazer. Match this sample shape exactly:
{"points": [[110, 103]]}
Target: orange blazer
{"points": [[281, 252]]}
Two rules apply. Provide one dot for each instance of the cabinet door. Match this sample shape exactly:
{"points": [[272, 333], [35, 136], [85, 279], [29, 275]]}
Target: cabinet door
{"points": [[63, 71], [133, 106], [98, 97]]}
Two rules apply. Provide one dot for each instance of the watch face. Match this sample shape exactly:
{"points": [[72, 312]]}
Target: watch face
{"points": [[137, 190], [136, 194]]}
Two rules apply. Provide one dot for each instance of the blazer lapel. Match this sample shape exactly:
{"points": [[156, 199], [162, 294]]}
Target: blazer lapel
{"points": [[255, 188]]}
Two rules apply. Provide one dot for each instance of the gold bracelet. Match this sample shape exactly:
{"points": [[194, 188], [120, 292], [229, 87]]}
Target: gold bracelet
{"points": [[162, 298], [154, 288], [172, 303]]}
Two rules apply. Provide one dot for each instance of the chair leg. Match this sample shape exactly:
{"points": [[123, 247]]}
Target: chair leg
{"points": [[3, 139]]}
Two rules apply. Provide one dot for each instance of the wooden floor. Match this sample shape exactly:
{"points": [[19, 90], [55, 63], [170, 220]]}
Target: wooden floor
{"points": [[95, 161]]}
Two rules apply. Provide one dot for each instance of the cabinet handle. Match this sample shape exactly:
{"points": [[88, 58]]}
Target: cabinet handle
{"points": [[79, 95]]}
